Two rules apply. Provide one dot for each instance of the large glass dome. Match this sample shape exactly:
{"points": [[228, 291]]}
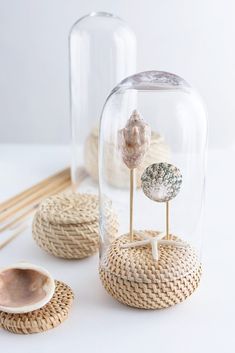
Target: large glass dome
{"points": [[155, 180], [102, 52]]}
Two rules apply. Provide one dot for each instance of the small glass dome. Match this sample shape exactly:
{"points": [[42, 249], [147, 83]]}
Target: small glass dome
{"points": [[102, 53], [152, 150]]}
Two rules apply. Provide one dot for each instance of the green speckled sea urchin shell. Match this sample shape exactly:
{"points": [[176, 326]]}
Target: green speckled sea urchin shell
{"points": [[161, 182]]}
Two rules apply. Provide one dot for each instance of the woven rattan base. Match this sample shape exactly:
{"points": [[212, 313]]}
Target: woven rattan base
{"points": [[50, 316], [147, 295], [67, 225], [132, 277]]}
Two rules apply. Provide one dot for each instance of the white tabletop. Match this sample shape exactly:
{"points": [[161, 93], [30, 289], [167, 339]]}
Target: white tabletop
{"points": [[97, 323]]}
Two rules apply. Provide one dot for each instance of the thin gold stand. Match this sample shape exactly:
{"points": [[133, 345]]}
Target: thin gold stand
{"points": [[132, 171], [167, 221]]}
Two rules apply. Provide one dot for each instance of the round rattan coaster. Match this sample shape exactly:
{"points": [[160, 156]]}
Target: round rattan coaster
{"points": [[132, 277], [49, 316], [67, 225]]}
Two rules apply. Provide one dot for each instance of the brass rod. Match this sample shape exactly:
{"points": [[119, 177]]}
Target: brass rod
{"points": [[38, 195], [26, 212], [167, 221], [131, 202], [13, 236], [24, 194]]}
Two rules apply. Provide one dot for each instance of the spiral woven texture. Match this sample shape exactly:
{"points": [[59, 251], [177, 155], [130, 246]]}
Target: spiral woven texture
{"points": [[131, 276], [46, 318], [116, 172], [67, 225]]}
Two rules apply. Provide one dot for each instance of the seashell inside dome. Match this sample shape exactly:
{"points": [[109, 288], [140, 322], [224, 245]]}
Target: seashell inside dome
{"points": [[134, 140], [25, 287], [161, 182], [117, 173]]}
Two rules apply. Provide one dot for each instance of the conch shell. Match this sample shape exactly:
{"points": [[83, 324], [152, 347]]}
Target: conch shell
{"points": [[25, 287], [134, 140]]}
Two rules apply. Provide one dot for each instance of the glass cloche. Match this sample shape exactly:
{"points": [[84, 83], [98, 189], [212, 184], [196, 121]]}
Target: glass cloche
{"points": [[102, 53], [152, 149]]}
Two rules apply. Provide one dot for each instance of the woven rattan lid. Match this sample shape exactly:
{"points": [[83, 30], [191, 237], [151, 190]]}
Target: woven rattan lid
{"points": [[70, 208], [49, 316], [67, 225], [137, 264]]}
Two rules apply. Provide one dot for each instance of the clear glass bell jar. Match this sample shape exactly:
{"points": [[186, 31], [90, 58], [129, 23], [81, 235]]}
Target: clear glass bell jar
{"points": [[102, 53], [152, 151]]}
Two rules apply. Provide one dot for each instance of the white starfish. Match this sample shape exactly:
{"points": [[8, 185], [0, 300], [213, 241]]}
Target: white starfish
{"points": [[154, 242]]}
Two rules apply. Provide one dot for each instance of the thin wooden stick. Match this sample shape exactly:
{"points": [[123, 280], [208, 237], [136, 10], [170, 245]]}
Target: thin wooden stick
{"points": [[13, 236], [24, 194], [131, 202], [16, 222], [33, 198], [32, 208], [167, 221]]}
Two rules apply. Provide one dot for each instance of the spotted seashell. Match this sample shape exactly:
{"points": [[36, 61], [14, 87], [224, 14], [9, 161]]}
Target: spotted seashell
{"points": [[161, 182], [134, 140]]}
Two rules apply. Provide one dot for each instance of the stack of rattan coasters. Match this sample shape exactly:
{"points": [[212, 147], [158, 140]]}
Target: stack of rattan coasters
{"points": [[66, 225], [43, 319], [133, 277]]}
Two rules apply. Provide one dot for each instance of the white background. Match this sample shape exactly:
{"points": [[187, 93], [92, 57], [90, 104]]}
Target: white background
{"points": [[192, 38]]}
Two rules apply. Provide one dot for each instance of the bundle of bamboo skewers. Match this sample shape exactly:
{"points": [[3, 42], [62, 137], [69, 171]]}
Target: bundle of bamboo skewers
{"points": [[16, 211]]}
